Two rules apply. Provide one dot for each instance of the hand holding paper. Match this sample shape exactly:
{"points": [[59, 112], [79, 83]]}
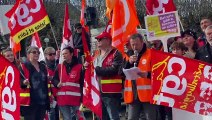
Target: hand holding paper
{"points": [[134, 73]]}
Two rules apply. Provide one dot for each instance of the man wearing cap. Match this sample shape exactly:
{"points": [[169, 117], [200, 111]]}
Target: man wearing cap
{"points": [[77, 40], [205, 52], [107, 62]]}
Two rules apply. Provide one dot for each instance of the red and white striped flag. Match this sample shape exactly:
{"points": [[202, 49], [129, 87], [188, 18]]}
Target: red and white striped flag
{"points": [[36, 42], [67, 34], [108, 27], [91, 91]]}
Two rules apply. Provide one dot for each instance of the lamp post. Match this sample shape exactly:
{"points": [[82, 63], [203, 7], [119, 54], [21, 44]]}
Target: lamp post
{"points": [[46, 40]]}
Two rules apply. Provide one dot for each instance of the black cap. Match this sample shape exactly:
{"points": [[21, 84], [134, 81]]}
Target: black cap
{"points": [[77, 25], [189, 32]]}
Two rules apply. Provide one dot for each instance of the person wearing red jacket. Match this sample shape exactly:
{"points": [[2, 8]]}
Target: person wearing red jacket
{"points": [[51, 64], [69, 80], [36, 82], [107, 62]]}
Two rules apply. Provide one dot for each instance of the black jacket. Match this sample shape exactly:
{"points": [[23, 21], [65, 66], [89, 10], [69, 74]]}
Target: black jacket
{"points": [[77, 41], [38, 84], [205, 53]]}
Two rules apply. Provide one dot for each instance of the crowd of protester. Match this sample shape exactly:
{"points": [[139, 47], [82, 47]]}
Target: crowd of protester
{"points": [[47, 86]]}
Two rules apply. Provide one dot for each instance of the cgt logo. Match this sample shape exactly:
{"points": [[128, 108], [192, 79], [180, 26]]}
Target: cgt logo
{"points": [[8, 95]]}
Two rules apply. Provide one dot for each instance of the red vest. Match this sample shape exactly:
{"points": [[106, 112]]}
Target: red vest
{"points": [[53, 89], [110, 84], [25, 93], [69, 92]]}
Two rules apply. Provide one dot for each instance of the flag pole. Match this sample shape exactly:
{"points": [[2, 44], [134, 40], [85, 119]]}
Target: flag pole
{"points": [[180, 23], [54, 36], [145, 7], [145, 39]]}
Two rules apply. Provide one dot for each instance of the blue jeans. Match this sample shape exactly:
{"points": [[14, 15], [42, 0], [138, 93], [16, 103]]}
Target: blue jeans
{"points": [[110, 108], [54, 113], [69, 112], [150, 111]]}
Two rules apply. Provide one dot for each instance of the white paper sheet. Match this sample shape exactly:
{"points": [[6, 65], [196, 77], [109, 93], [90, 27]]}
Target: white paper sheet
{"points": [[132, 73]]}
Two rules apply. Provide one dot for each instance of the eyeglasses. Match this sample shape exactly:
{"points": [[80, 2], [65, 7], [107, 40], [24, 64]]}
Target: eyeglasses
{"points": [[35, 52], [51, 54]]}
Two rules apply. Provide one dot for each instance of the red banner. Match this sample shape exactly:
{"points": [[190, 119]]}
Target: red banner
{"points": [[124, 22], [181, 83], [9, 90], [91, 91], [155, 7], [26, 18]]}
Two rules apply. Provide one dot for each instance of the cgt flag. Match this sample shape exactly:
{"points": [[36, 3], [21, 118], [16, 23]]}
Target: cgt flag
{"points": [[9, 90], [127, 25], [91, 91], [155, 7], [26, 18], [181, 83]]}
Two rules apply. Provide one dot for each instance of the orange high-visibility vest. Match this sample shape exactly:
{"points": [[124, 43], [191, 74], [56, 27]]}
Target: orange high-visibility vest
{"points": [[143, 84], [110, 84]]}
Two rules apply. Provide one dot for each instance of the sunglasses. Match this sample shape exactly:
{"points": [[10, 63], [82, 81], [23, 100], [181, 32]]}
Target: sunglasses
{"points": [[51, 54], [35, 52], [101, 39]]}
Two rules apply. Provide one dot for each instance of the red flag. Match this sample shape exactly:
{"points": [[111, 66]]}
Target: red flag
{"points": [[9, 90], [108, 27], [155, 7], [67, 34], [124, 23], [181, 83], [110, 6], [91, 91], [16, 47], [26, 18], [82, 17], [36, 42]]}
